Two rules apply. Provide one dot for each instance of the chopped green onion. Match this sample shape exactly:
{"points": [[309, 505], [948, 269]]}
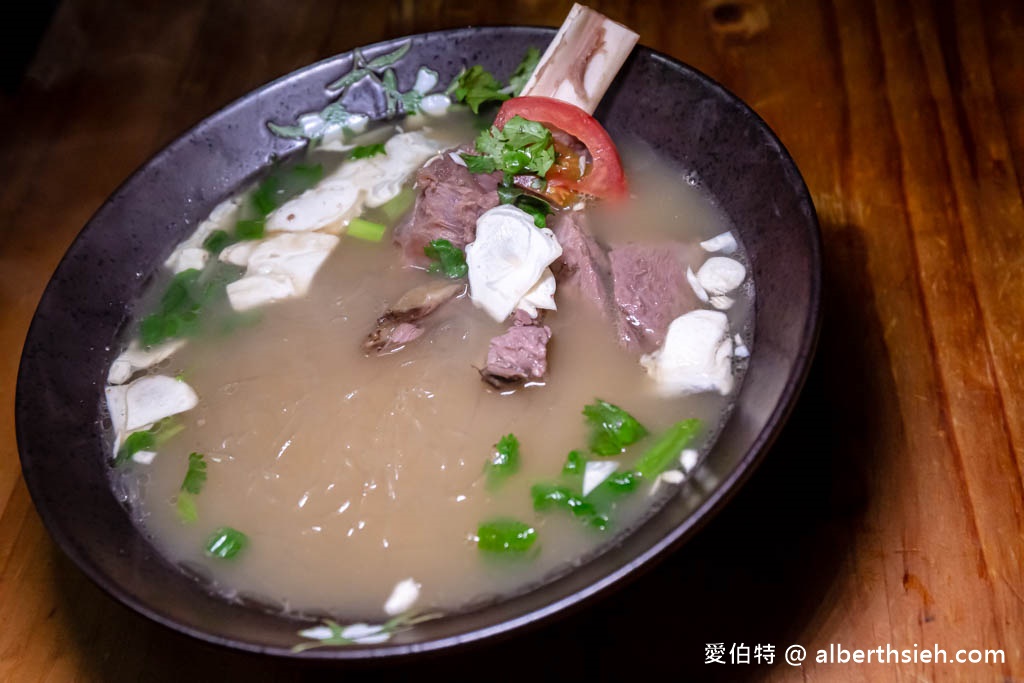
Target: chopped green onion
{"points": [[302, 177], [504, 461], [575, 463], [216, 241], [667, 448], [367, 151], [505, 536], [612, 428], [265, 196], [366, 230], [250, 229], [448, 258], [226, 542], [397, 206]]}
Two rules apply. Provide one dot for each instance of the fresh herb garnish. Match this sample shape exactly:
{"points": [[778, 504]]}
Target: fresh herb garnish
{"points": [[667, 448], [531, 204], [147, 439], [216, 241], [265, 196], [366, 230], [523, 72], [522, 146], [448, 259], [225, 543], [180, 308], [195, 476], [505, 536], [367, 151], [191, 485], [575, 463], [547, 496], [283, 184], [476, 86], [504, 461], [612, 428], [621, 482], [250, 229]]}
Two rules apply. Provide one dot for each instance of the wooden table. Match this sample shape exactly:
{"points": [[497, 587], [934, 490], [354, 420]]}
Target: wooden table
{"points": [[892, 509]]}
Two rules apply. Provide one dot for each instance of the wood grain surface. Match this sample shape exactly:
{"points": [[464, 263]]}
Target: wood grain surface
{"points": [[892, 509]]}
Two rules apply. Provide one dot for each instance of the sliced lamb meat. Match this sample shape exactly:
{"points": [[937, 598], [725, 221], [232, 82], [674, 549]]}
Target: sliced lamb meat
{"points": [[399, 324], [518, 355], [650, 288], [449, 201], [583, 266]]}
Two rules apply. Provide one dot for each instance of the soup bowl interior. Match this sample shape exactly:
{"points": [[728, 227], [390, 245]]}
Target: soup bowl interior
{"points": [[693, 122]]}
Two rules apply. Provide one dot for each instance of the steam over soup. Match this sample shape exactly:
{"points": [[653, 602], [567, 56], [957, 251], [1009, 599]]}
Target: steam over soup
{"points": [[379, 382]]}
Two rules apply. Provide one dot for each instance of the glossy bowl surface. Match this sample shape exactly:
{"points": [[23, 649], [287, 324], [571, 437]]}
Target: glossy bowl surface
{"points": [[690, 119]]}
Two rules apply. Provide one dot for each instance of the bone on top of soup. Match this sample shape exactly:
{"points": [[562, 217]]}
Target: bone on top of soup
{"points": [[428, 370]]}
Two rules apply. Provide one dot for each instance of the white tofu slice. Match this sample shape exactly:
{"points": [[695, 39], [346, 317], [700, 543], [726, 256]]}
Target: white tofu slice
{"points": [[403, 597], [187, 254], [724, 243], [145, 402], [382, 177], [720, 275], [321, 208], [595, 472], [280, 267], [136, 358], [239, 253], [507, 259], [695, 357], [541, 295], [698, 289], [187, 258]]}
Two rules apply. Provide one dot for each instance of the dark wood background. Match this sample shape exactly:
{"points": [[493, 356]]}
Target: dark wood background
{"points": [[892, 509]]}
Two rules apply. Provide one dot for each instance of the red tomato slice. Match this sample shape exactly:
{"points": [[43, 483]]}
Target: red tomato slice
{"points": [[605, 178]]}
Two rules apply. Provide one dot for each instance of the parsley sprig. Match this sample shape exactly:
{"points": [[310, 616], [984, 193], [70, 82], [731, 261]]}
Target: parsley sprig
{"points": [[191, 486]]}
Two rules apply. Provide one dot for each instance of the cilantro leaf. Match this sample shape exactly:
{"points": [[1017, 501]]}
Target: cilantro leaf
{"points": [[522, 146], [504, 461], [612, 428], [575, 463], [185, 506], [367, 151], [147, 439], [479, 164], [475, 86], [523, 72], [195, 477], [531, 204], [448, 258]]}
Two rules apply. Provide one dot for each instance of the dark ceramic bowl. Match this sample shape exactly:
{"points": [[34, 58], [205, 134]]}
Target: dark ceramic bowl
{"points": [[693, 121]]}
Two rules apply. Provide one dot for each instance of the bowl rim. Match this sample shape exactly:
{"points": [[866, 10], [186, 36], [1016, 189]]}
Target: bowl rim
{"points": [[711, 505]]}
